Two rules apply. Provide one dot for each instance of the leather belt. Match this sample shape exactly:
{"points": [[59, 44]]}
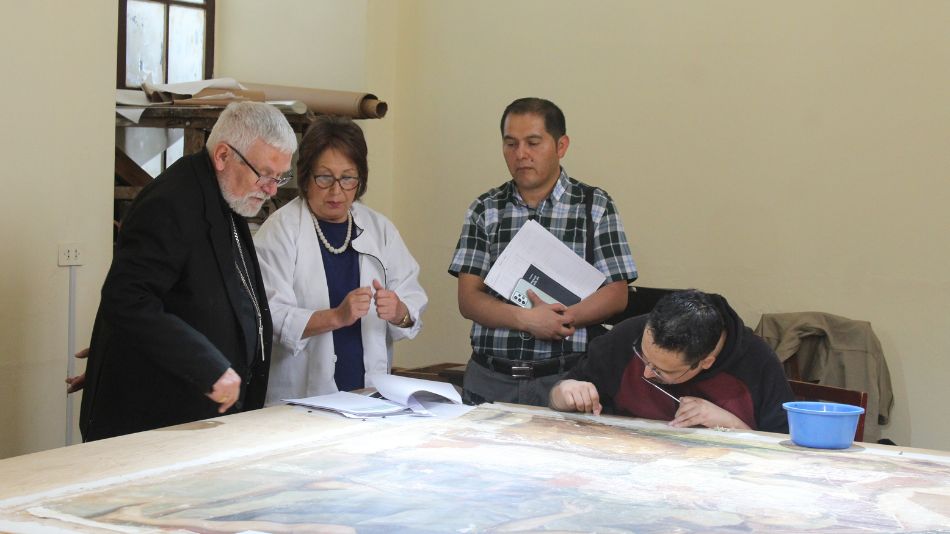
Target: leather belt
{"points": [[527, 368]]}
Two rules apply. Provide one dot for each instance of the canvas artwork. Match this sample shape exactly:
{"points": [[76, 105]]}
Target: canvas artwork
{"points": [[510, 469]]}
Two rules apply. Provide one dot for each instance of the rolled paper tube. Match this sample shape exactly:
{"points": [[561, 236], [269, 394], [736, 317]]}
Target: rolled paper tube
{"points": [[348, 103], [372, 108]]}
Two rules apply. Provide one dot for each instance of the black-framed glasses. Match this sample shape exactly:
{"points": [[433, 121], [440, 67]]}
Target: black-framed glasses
{"points": [[326, 181], [661, 375], [277, 181]]}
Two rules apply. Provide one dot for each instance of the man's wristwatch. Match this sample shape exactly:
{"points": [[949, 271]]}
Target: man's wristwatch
{"points": [[406, 321]]}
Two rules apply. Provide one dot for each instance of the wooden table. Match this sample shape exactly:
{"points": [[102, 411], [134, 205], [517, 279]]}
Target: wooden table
{"points": [[498, 468]]}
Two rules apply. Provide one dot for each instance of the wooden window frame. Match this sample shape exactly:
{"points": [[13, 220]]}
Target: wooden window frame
{"points": [[208, 8]]}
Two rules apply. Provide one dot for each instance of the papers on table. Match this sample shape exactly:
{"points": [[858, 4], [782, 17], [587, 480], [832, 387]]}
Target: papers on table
{"points": [[402, 389], [351, 404], [534, 246], [401, 396]]}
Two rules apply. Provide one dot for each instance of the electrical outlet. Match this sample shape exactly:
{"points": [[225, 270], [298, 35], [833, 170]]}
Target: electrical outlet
{"points": [[70, 254]]}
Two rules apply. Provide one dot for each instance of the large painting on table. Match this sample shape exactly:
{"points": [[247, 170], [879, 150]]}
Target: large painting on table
{"points": [[505, 469]]}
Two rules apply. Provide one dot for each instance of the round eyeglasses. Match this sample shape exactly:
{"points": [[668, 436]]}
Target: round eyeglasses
{"points": [[347, 183], [662, 376], [261, 179]]}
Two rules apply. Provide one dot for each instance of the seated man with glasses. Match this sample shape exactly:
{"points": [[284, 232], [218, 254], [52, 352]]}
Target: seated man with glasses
{"points": [[691, 361]]}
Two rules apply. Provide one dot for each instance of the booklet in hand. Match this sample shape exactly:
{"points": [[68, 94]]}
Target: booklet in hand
{"points": [[401, 395], [536, 260]]}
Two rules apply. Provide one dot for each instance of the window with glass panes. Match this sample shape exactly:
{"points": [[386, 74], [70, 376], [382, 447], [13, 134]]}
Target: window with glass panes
{"points": [[164, 41]]}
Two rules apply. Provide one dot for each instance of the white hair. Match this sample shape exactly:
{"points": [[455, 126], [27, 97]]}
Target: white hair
{"points": [[242, 123]]}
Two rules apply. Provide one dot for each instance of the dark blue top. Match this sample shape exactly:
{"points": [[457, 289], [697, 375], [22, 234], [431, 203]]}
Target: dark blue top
{"points": [[343, 276]]}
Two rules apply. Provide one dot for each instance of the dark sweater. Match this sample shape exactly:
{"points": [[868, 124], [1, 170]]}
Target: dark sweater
{"points": [[746, 379]]}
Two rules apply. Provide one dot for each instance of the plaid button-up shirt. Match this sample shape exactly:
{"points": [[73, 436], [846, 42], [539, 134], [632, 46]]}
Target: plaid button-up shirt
{"points": [[493, 220]]}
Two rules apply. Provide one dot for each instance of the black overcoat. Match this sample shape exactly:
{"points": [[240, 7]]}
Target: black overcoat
{"points": [[173, 315]]}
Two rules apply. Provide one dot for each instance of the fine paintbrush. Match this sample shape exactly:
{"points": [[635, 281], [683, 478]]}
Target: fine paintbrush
{"points": [[657, 386]]}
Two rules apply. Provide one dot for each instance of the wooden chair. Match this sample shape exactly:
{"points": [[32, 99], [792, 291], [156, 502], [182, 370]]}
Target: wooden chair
{"points": [[640, 301], [808, 391]]}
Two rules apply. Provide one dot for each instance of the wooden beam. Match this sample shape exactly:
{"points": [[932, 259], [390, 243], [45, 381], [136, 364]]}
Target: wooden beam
{"points": [[125, 192], [128, 171]]}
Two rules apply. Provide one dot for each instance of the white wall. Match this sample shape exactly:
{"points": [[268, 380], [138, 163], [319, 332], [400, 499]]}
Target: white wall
{"points": [[56, 107]]}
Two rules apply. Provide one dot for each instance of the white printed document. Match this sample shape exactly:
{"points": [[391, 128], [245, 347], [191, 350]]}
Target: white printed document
{"points": [[533, 250]]}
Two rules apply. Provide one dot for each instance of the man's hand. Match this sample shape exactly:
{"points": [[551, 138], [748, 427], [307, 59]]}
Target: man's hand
{"points": [[575, 396], [388, 306], [548, 321], [226, 390], [76, 383], [355, 305], [694, 411]]}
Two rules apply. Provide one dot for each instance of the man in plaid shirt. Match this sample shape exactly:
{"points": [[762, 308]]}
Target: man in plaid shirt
{"points": [[518, 353]]}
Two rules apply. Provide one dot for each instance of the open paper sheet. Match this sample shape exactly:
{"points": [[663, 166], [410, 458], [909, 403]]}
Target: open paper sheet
{"points": [[167, 92], [401, 396], [534, 246], [350, 404], [401, 389]]}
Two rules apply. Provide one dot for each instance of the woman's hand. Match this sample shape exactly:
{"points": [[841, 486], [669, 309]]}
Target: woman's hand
{"points": [[354, 306], [388, 306]]}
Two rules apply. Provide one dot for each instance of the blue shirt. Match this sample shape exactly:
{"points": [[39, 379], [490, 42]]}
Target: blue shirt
{"points": [[343, 276]]}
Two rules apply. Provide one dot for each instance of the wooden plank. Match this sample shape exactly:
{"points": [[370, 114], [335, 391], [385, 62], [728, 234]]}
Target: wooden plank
{"points": [[126, 192], [194, 140], [200, 117], [129, 171]]}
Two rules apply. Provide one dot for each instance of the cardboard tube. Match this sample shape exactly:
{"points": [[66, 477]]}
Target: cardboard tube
{"points": [[348, 103]]}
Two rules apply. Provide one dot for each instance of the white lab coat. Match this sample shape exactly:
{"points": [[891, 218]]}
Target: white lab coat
{"points": [[296, 284]]}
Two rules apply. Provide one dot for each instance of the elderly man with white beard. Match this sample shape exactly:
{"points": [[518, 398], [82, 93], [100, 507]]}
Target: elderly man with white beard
{"points": [[183, 330]]}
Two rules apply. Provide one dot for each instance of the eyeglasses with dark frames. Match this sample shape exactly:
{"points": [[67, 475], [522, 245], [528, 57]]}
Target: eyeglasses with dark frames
{"points": [[261, 179], [661, 375], [326, 181]]}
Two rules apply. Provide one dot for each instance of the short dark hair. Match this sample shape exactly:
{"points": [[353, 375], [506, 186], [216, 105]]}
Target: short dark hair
{"points": [[688, 322], [553, 117], [326, 132]]}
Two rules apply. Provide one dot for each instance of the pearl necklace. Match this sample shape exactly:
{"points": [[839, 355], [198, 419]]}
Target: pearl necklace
{"points": [[323, 238]]}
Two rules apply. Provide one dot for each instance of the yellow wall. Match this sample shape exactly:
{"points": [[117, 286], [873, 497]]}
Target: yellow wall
{"points": [[58, 61], [790, 156], [332, 44]]}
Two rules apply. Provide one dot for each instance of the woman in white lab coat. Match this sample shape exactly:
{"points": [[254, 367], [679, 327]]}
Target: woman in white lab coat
{"points": [[341, 284]]}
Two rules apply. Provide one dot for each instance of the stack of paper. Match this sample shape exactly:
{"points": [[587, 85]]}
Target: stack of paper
{"points": [[351, 405], [401, 396]]}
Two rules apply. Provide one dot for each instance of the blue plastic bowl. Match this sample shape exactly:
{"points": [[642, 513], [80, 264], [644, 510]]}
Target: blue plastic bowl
{"points": [[822, 425]]}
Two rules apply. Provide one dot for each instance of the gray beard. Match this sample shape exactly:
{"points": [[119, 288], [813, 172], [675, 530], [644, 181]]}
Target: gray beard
{"points": [[244, 206]]}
